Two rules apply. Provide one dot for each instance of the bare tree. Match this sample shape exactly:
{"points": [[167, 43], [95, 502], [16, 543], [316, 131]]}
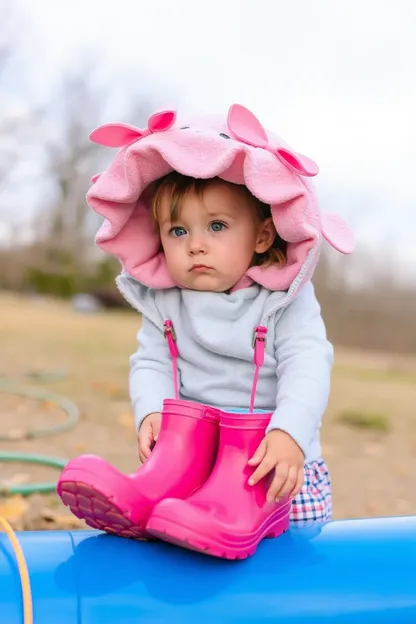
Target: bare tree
{"points": [[18, 120], [72, 159]]}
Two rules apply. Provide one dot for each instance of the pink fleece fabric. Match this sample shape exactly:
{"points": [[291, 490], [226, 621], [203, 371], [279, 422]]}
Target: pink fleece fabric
{"points": [[237, 149]]}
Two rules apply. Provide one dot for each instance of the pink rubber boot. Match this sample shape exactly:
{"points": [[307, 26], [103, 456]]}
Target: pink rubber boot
{"points": [[226, 517], [180, 463]]}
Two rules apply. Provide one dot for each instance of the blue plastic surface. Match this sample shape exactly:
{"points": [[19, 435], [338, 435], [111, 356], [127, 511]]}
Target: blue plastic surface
{"points": [[345, 572]]}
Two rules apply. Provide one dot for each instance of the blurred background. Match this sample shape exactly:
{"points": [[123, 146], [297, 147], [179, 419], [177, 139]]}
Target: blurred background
{"points": [[337, 81]]}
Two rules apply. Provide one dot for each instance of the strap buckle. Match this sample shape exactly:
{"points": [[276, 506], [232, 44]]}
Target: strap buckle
{"points": [[259, 335], [169, 330]]}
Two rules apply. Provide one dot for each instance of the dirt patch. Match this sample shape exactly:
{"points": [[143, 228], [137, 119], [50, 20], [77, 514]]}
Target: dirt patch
{"points": [[86, 358]]}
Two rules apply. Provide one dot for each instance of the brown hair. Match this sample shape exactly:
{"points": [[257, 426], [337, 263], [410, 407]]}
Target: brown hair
{"points": [[177, 186]]}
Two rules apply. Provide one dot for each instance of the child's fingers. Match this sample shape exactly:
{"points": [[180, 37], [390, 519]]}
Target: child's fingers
{"points": [[259, 454], [145, 440], [142, 456], [155, 429], [279, 479], [145, 450], [266, 465], [299, 482], [288, 485]]}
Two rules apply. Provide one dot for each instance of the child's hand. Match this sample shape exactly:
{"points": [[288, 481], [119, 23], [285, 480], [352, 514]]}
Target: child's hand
{"points": [[147, 436], [279, 451]]}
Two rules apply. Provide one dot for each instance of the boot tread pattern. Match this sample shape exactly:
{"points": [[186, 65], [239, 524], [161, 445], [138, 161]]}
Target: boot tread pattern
{"points": [[99, 511]]}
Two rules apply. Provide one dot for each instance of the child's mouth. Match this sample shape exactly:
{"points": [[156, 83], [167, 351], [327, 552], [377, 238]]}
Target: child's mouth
{"points": [[200, 268]]}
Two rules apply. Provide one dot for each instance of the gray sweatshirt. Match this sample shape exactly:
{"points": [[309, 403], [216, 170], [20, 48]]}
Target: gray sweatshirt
{"points": [[214, 337]]}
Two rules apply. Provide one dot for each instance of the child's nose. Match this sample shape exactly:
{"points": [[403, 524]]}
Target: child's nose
{"points": [[197, 244]]}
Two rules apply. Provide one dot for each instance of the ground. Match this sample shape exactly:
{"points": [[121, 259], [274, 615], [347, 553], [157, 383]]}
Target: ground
{"points": [[369, 431]]}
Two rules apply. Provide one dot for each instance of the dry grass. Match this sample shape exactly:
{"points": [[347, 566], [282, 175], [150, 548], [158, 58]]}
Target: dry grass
{"points": [[369, 433]]}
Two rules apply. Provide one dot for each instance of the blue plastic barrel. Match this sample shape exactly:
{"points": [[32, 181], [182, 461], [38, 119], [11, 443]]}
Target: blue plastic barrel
{"points": [[344, 572]]}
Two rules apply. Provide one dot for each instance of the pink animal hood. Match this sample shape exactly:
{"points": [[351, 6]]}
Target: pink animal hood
{"points": [[237, 149]]}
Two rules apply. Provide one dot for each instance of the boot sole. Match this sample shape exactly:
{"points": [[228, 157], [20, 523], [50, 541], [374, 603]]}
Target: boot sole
{"points": [[99, 509], [239, 548]]}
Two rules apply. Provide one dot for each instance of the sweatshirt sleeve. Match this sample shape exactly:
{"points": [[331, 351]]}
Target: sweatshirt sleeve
{"points": [[151, 376], [304, 362]]}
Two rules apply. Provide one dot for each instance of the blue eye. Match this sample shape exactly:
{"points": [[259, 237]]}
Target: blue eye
{"points": [[177, 232], [217, 226]]}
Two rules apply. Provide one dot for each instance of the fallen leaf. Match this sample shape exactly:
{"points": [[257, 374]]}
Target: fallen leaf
{"points": [[54, 502], [48, 405], [14, 508]]}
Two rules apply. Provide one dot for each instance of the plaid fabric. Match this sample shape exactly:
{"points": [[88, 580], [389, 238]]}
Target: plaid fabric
{"points": [[314, 501]]}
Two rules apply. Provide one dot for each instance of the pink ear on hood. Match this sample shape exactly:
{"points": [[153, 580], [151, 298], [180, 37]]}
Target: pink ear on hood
{"points": [[95, 177], [300, 164], [337, 233], [115, 135], [161, 121], [245, 126]]}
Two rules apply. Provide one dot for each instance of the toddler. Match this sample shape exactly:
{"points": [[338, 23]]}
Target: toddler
{"points": [[217, 227]]}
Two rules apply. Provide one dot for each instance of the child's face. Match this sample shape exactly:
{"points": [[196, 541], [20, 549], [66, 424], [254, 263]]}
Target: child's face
{"points": [[211, 245]]}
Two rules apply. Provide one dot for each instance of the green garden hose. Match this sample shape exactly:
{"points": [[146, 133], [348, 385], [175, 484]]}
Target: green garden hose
{"points": [[65, 404], [30, 488]]}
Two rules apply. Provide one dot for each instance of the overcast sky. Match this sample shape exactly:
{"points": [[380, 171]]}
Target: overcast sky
{"points": [[335, 78]]}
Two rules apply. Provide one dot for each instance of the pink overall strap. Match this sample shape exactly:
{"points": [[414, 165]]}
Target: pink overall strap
{"points": [[174, 353], [259, 344]]}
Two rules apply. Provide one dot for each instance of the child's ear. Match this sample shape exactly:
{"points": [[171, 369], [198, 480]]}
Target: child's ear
{"points": [[266, 235]]}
